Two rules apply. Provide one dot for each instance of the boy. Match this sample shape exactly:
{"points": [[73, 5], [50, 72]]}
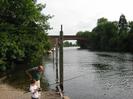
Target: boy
{"points": [[34, 90]]}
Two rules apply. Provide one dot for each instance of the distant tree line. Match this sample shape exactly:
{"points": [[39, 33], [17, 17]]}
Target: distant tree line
{"points": [[109, 36], [23, 33], [68, 44]]}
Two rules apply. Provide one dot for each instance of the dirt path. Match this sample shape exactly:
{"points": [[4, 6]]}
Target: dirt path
{"points": [[8, 92]]}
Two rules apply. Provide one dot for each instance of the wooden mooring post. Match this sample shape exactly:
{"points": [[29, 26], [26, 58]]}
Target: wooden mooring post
{"points": [[60, 69], [61, 59], [57, 73]]}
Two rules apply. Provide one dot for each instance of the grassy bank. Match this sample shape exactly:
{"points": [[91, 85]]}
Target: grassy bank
{"points": [[19, 80]]}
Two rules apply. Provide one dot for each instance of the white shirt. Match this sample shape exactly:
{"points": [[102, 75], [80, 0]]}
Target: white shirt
{"points": [[34, 91]]}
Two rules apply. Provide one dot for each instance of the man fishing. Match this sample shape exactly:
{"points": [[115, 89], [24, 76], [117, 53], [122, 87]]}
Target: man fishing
{"points": [[35, 73]]}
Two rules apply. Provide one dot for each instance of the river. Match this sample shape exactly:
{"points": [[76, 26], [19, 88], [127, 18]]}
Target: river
{"points": [[94, 75]]}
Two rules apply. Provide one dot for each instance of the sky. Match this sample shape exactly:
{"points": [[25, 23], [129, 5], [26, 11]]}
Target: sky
{"points": [[82, 15]]}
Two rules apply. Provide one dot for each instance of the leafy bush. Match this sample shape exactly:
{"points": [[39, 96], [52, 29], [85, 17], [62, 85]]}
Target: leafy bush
{"points": [[23, 32]]}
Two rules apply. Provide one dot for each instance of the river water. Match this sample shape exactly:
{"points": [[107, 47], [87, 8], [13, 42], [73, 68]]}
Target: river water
{"points": [[94, 75]]}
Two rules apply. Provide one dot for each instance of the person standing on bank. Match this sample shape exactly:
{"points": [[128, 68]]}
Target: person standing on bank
{"points": [[34, 90], [36, 73]]}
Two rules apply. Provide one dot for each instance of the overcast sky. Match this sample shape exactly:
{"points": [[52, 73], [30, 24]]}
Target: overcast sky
{"points": [[82, 15]]}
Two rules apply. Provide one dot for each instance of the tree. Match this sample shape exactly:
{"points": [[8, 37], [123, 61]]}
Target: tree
{"points": [[104, 34], [67, 44], [23, 32], [109, 36], [102, 21], [123, 26], [84, 43], [131, 27]]}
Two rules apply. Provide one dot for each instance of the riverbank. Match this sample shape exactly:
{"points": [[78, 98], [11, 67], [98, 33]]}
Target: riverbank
{"points": [[15, 87], [8, 92]]}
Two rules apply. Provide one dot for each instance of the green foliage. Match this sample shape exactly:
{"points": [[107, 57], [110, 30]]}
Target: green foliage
{"points": [[131, 27], [68, 44], [102, 21], [109, 36], [2, 66], [23, 32], [83, 43], [104, 34]]}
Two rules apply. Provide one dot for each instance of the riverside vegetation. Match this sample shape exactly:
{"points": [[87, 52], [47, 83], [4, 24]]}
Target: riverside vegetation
{"points": [[109, 36], [23, 37]]}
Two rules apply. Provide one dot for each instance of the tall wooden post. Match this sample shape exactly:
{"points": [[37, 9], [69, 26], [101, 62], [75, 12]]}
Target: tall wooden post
{"points": [[57, 61], [53, 58], [61, 59]]}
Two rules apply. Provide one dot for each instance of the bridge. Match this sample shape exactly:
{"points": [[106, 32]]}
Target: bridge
{"points": [[54, 38], [66, 37]]}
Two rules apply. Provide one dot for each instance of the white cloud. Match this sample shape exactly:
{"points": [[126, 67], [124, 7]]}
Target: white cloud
{"points": [[81, 15]]}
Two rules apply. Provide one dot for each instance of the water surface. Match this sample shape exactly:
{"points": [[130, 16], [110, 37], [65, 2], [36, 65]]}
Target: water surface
{"points": [[94, 75]]}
